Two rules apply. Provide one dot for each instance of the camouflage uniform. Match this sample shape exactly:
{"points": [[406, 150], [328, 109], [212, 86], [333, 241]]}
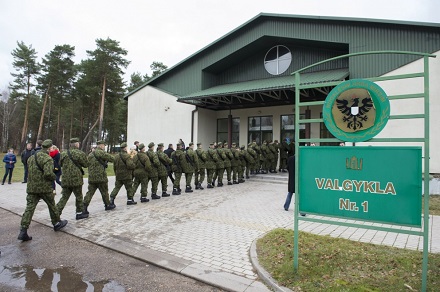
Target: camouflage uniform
{"points": [[283, 156], [255, 158], [177, 157], [123, 167], [228, 164], [98, 161], [272, 157], [220, 166], [142, 167], [189, 166], [203, 159], [210, 164], [162, 172], [39, 186], [264, 158], [72, 161], [248, 160], [153, 175], [235, 162], [260, 160]]}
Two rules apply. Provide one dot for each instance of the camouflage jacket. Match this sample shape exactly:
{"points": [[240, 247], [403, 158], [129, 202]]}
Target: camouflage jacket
{"points": [[271, 151], [283, 149], [221, 157], [235, 158], [164, 162], [155, 163], [123, 166], [142, 165], [229, 157], [247, 157], [41, 173], [72, 174], [191, 162], [253, 153], [177, 158], [212, 159], [98, 161], [203, 157]]}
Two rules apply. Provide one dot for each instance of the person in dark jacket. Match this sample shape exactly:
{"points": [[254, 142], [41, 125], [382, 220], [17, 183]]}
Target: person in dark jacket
{"points": [[55, 154], [28, 152], [291, 183], [10, 159], [38, 146], [168, 152]]}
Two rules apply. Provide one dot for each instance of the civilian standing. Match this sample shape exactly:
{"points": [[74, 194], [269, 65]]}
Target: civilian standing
{"points": [[28, 152], [10, 159]]}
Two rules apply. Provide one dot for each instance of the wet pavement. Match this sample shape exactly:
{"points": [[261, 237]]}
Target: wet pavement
{"points": [[206, 235]]}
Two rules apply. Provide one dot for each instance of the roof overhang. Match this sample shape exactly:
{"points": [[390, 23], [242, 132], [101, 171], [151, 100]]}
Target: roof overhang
{"points": [[258, 93]]}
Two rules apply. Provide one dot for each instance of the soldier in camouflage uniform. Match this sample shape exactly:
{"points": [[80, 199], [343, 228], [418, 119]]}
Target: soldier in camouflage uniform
{"points": [[142, 167], [227, 162], [203, 159], [153, 175], [259, 161], [210, 164], [283, 155], [189, 166], [253, 153], [41, 176], [248, 160], [220, 165], [123, 167], [98, 161], [290, 147], [177, 157], [72, 161], [272, 157], [264, 158], [235, 163], [162, 172]]}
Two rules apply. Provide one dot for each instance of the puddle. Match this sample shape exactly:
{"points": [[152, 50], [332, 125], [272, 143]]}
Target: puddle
{"points": [[60, 279]]}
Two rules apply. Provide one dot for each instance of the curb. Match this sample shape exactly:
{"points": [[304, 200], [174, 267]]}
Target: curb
{"points": [[262, 273]]}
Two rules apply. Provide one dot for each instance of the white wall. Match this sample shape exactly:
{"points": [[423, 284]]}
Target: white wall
{"points": [[414, 128], [156, 116]]}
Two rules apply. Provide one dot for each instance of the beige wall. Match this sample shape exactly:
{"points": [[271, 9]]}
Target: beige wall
{"points": [[155, 116]]}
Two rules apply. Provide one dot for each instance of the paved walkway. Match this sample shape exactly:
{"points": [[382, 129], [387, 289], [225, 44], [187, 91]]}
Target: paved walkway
{"points": [[206, 234]]}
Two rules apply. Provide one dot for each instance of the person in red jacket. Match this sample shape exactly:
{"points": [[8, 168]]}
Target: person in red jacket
{"points": [[55, 154]]}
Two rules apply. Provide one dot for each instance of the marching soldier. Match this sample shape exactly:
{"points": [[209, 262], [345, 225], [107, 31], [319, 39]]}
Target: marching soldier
{"points": [[283, 155], [255, 158], [190, 165], [142, 168], [272, 157], [162, 172], [177, 157], [153, 175], [259, 161], [203, 160], [235, 163], [123, 167], [39, 186], [72, 162], [210, 164], [264, 158], [98, 163], [227, 162], [220, 165]]}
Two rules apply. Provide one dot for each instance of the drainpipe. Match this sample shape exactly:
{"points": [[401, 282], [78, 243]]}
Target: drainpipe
{"points": [[229, 128], [192, 123]]}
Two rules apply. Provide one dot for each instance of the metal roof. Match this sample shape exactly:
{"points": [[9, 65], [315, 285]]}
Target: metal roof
{"points": [[261, 92]]}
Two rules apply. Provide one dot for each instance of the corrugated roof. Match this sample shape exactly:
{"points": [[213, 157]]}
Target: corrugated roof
{"points": [[269, 84]]}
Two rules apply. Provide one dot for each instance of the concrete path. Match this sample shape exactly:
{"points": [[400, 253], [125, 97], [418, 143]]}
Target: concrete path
{"points": [[206, 235]]}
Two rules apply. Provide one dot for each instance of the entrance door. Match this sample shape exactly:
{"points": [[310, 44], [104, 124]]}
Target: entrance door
{"points": [[260, 129]]}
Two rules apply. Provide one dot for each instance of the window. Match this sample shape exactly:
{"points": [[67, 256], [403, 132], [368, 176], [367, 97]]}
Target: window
{"points": [[260, 129], [222, 130], [325, 133], [288, 127], [277, 60]]}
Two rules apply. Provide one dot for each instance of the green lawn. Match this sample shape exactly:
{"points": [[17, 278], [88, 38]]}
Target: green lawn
{"points": [[335, 264]]}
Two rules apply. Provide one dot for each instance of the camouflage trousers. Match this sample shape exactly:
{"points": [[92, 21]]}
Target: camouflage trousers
{"points": [[127, 183], [103, 189], [177, 177], [283, 162], [65, 195], [188, 178], [219, 175], [228, 173], [143, 181], [164, 182], [199, 176], [234, 173], [209, 175], [248, 169], [154, 184], [32, 202], [273, 164]]}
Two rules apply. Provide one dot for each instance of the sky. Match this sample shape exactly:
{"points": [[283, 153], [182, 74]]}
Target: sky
{"points": [[166, 31]]}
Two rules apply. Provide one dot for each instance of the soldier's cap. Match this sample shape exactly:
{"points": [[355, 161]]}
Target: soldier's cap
{"points": [[276, 141], [264, 141], [250, 144], [191, 143], [141, 146], [212, 143], [242, 147], [199, 143], [123, 145], [178, 144], [219, 143], [100, 142], [74, 140], [47, 143], [233, 144], [160, 145], [151, 145]]}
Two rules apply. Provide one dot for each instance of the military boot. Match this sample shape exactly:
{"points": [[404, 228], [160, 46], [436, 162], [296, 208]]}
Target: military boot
{"points": [[112, 201], [131, 202], [197, 186], [144, 200], [188, 189], [210, 186], [60, 225], [175, 192], [165, 194], [85, 209], [110, 207], [219, 184], [179, 190], [235, 182], [241, 180], [229, 183], [155, 197], [82, 215], [23, 235], [200, 187]]}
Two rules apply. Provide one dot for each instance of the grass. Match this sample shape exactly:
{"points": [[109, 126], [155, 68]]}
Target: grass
{"points": [[434, 205], [18, 174], [335, 264]]}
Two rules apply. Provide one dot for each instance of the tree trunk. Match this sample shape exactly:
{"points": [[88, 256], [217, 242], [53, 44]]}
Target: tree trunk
{"points": [[101, 113], [83, 143], [58, 126], [26, 114], [40, 127]]}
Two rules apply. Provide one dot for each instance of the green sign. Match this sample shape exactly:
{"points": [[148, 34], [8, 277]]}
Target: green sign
{"points": [[380, 184], [356, 110]]}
